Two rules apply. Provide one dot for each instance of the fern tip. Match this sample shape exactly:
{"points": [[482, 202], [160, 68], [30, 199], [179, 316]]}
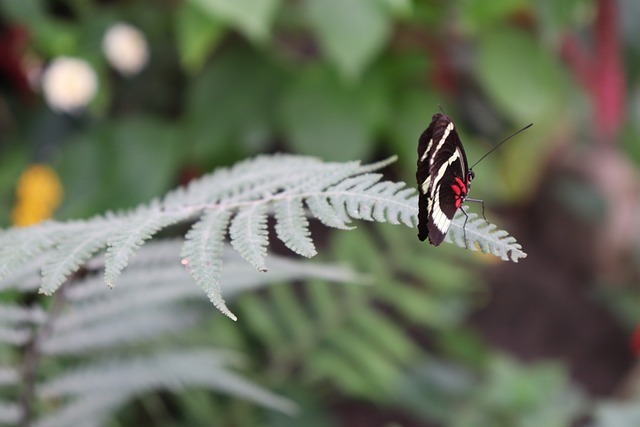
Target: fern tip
{"points": [[220, 305], [381, 164], [42, 291], [231, 316], [517, 256]]}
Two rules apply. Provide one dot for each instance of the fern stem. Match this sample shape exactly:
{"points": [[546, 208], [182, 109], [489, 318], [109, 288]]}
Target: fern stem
{"points": [[32, 355], [234, 205]]}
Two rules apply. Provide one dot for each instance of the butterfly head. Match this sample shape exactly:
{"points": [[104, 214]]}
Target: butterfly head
{"points": [[470, 176]]}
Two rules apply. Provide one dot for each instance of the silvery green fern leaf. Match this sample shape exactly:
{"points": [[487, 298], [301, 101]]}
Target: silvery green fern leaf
{"points": [[479, 234], [10, 413], [292, 226], [322, 209], [249, 234], [129, 341], [134, 229], [72, 250], [202, 254], [236, 200]]}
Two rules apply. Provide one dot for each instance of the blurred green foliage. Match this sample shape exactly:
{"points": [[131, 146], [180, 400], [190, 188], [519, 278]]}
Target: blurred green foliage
{"points": [[342, 80], [313, 77]]}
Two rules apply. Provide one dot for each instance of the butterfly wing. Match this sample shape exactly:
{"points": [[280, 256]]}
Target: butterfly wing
{"points": [[442, 178]]}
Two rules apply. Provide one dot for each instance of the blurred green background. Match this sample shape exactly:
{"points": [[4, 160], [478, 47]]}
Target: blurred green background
{"points": [[443, 337]]}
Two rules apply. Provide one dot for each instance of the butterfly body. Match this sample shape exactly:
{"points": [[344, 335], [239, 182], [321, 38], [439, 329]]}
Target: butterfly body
{"points": [[443, 176]]}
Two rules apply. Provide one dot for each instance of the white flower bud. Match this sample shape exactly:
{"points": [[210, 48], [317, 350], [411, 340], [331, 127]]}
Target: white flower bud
{"points": [[69, 84], [125, 48]]}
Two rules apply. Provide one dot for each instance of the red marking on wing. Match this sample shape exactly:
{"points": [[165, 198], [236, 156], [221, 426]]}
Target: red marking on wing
{"points": [[460, 191], [461, 185]]}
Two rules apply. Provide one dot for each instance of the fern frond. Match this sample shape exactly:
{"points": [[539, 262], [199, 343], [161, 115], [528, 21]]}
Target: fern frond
{"points": [[147, 285], [74, 248], [114, 305], [328, 333], [484, 236], [11, 313], [78, 412], [365, 197], [365, 357], [14, 336], [282, 269], [322, 209], [137, 280], [25, 277], [249, 235], [131, 327], [235, 200], [20, 245], [203, 254], [9, 375], [131, 234], [10, 413], [292, 227], [386, 335], [153, 301], [250, 179], [171, 371]]}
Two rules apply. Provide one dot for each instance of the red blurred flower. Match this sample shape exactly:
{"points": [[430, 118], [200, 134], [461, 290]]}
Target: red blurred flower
{"points": [[13, 46], [635, 341], [601, 71]]}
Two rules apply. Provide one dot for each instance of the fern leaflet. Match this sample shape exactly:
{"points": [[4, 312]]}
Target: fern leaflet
{"points": [[132, 233], [292, 227], [74, 250], [203, 254], [249, 234], [322, 209], [479, 234]]}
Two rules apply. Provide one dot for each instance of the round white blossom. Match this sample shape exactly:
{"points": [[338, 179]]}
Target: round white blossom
{"points": [[69, 84], [125, 48]]}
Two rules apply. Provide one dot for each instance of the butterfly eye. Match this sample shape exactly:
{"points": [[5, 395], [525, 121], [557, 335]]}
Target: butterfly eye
{"points": [[472, 175]]}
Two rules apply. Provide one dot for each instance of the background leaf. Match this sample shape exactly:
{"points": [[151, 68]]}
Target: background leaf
{"points": [[197, 35], [522, 77], [324, 117], [351, 33], [251, 17], [230, 107]]}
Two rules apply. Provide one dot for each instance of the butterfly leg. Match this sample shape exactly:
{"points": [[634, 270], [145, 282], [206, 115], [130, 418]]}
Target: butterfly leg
{"points": [[464, 226], [482, 203]]}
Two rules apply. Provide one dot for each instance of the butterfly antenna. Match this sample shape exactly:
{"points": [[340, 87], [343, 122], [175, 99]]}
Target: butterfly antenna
{"points": [[501, 142]]}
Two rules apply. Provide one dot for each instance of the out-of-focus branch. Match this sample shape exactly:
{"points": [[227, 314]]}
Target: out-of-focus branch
{"points": [[601, 73]]}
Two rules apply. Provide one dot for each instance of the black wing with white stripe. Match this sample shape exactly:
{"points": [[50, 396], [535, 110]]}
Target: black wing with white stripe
{"points": [[443, 178]]}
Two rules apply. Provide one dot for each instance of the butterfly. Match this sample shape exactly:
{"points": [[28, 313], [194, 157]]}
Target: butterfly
{"points": [[444, 178]]}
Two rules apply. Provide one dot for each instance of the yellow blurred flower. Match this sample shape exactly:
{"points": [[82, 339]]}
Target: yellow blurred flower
{"points": [[38, 194]]}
